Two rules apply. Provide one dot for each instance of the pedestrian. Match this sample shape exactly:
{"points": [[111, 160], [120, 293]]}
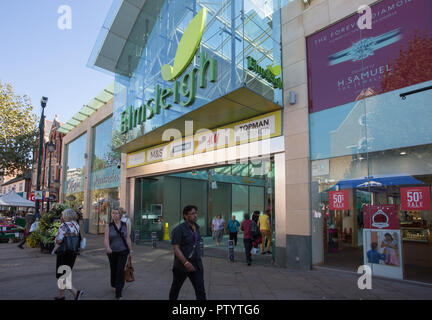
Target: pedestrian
{"points": [[257, 237], [68, 227], [218, 227], [187, 255], [125, 218], [233, 228], [29, 218], [80, 220], [264, 225], [118, 247], [247, 237]]}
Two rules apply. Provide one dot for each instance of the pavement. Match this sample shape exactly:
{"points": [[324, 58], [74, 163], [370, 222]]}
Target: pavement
{"points": [[30, 275]]}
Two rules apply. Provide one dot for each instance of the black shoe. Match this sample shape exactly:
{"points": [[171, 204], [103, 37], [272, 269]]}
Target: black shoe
{"points": [[263, 253], [249, 263], [269, 252], [58, 298], [20, 246], [79, 294]]}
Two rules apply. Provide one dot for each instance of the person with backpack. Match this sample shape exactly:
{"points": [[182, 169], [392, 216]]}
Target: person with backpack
{"points": [[67, 248], [246, 227], [255, 232], [118, 247], [233, 228]]}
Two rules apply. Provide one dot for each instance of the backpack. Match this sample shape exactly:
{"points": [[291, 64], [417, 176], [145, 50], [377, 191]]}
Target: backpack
{"points": [[71, 242], [255, 231]]}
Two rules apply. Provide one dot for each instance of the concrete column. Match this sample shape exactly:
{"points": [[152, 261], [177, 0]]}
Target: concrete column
{"points": [[280, 209], [87, 178]]}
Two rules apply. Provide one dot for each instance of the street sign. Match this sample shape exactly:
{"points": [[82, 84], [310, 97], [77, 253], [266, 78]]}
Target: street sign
{"points": [[38, 195]]}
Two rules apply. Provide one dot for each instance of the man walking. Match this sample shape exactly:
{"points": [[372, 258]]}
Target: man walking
{"points": [[247, 237], [187, 255]]}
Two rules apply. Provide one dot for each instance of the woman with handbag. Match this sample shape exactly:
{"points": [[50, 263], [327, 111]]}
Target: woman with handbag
{"points": [[119, 248], [67, 246]]}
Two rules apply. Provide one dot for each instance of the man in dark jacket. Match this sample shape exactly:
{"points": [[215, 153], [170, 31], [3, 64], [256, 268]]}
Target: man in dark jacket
{"points": [[246, 227], [187, 255]]}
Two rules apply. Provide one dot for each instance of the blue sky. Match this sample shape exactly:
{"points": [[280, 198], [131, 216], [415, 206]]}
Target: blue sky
{"points": [[39, 59]]}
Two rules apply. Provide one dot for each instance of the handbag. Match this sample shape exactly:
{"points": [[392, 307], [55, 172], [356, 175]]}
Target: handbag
{"points": [[129, 271], [71, 242]]}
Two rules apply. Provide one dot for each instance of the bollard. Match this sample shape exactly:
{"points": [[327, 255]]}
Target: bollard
{"points": [[137, 236], [202, 246], [153, 236], [166, 232], [231, 250]]}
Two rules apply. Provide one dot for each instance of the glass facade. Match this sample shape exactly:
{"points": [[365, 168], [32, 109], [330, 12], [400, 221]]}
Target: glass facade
{"points": [[73, 189], [161, 199], [234, 31], [371, 144], [105, 177]]}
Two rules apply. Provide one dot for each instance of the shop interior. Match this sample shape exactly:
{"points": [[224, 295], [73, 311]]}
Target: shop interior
{"points": [[228, 190], [342, 230]]}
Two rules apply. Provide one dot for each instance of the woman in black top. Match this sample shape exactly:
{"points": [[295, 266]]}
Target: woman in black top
{"points": [[118, 246]]}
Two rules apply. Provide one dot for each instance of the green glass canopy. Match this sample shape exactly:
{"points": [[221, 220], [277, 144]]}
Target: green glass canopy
{"points": [[88, 109]]}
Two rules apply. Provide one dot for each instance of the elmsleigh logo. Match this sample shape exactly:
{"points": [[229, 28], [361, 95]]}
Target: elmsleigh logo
{"points": [[183, 92], [187, 47]]}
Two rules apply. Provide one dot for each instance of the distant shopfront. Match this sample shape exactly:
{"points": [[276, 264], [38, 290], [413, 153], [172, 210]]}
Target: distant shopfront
{"points": [[371, 148]]}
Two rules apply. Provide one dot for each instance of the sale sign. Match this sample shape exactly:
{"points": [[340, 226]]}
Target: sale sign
{"points": [[381, 216], [339, 200], [415, 198]]}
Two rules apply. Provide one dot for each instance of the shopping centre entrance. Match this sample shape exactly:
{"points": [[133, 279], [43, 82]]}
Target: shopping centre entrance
{"points": [[227, 190]]}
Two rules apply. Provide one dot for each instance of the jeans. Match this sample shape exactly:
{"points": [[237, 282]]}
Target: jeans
{"points": [[233, 236], [266, 234], [117, 262], [197, 279], [248, 247]]}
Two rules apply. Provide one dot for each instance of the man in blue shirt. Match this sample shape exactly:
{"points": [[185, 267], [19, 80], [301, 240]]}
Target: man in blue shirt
{"points": [[187, 255], [373, 255], [233, 228]]}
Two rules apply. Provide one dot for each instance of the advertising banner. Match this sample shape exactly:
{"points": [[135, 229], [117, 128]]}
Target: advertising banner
{"points": [[415, 198], [381, 216], [382, 251], [346, 64], [339, 200]]}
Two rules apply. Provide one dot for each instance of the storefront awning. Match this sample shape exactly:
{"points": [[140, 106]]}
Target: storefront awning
{"points": [[376, 181], [88, 109], [240, 104]]}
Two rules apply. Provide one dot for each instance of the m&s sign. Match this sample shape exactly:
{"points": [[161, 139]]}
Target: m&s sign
{"points": [[339, 200]]}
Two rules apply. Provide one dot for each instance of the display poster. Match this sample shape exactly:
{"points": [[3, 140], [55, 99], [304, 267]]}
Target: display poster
{"points": [[381, 216], [415, 198], [339, 200], [382, 251], [346, 64]]}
